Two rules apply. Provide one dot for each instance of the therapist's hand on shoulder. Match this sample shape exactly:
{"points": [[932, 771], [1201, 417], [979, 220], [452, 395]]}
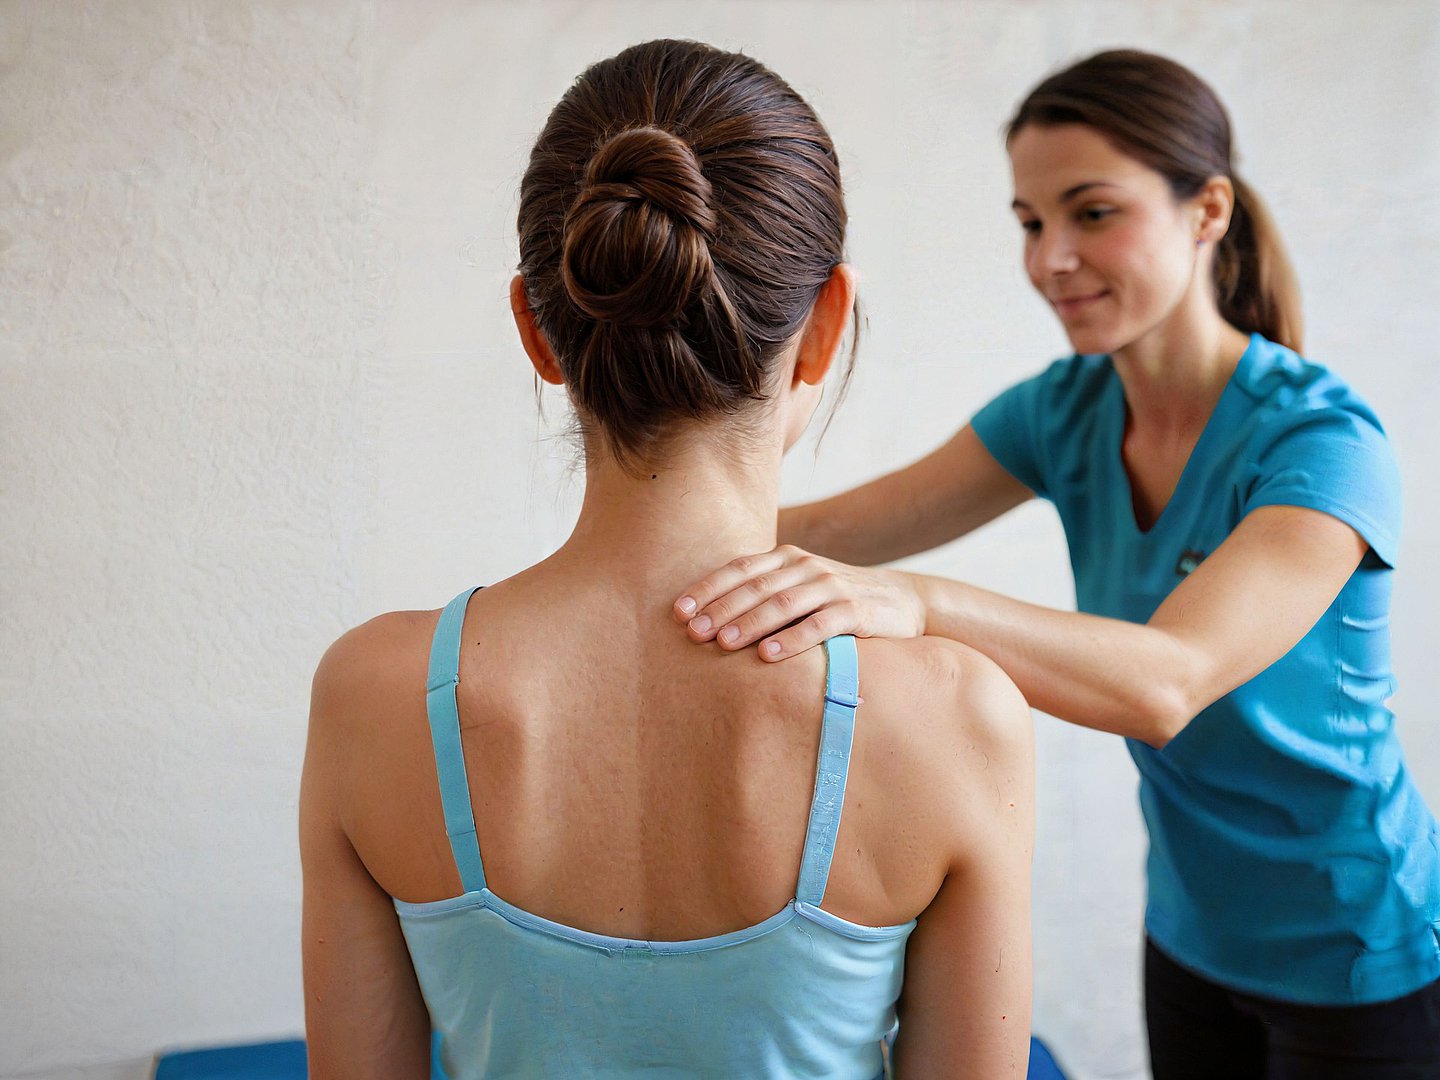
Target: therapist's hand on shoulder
{"points": [[790, 600]]}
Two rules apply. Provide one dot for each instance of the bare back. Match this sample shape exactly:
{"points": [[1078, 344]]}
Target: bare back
{"points": [[628, 783]]}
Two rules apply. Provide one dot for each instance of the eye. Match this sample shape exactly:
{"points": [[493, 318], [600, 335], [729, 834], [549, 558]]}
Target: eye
{"points": [[1091, 215], [1031, 226]]}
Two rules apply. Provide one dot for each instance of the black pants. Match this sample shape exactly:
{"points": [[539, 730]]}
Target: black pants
{"points": [[1201, 1031]]}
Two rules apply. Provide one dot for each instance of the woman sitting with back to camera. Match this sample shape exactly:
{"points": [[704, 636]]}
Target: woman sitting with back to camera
{"points": [[656, 879]]}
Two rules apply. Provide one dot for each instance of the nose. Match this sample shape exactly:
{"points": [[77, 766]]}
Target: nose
{"points": [[1052, 253]]}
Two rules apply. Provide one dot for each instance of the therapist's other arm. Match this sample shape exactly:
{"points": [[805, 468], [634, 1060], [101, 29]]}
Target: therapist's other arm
{"points": [[946, 494]]}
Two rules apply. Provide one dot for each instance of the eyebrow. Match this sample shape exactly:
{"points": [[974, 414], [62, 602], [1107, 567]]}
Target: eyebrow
{"points": [[1068, 194]]}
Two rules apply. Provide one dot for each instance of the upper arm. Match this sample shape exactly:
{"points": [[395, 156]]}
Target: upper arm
{"points": [[364, 1015], [953, 490], [1252, 600], [1321, 487], [965, 1004]]}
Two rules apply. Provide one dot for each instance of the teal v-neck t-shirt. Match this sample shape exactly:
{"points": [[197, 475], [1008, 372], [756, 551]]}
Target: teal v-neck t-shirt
{"points": [[1291, 855]]}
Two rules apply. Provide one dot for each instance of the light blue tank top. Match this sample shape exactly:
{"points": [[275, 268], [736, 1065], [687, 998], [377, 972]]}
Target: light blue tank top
{"points": [[511, 994]]}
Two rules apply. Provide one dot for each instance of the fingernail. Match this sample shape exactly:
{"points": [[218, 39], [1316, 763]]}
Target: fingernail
{"points": [[771, 649], [730, 635], [700, 624], [686, 604]]}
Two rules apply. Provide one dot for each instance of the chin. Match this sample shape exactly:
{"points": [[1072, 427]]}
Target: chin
{"points": [[1093, 340]]}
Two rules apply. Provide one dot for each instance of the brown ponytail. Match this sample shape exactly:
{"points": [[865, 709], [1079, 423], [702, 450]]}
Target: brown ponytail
{"points": [[1255, 283], [1164, 115], [680, 212]]}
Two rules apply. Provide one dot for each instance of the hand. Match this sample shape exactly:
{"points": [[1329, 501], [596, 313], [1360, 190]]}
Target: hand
{"points": [[805, 597]]}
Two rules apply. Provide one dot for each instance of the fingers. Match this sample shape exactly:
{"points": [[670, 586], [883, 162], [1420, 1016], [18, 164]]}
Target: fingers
{"points": [[838, 618], [815, 602], [787, 593], [730, 577], [764, 603]]}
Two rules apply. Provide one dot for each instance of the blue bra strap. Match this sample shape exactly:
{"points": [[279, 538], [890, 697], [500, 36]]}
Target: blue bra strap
{"points": [[444, 713], [837, 731]]}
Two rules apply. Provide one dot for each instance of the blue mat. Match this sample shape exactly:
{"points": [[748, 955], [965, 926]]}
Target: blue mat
{"points": [[258, 1061], [286, 1061], [1042, 1063]]}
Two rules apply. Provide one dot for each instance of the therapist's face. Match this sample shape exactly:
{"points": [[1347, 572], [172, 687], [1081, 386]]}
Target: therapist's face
{"points": [[1106, 243]]}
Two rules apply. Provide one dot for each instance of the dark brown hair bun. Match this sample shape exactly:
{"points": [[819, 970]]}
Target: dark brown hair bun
{"points": [[680, 212], [636, 249]]}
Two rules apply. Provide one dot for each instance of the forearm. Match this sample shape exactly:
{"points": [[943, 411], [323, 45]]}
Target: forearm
{"points": [[1107, 674], [835, 528], [946, 494], [885, 520]]}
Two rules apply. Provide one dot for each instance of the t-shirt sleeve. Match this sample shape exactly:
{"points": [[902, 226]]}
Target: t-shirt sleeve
{"points": [[1334, 459], [1009, 426]]}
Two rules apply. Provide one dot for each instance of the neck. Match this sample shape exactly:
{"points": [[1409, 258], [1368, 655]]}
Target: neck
{"points": [[707, 502], [1175, 373]]}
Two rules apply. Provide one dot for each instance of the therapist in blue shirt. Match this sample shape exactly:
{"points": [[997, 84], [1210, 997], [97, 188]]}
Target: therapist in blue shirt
{"points": [[1232, 511]]}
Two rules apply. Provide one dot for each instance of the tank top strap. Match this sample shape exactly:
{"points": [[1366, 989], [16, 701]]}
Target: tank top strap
{"points": [[837, 732], [444, 713]]}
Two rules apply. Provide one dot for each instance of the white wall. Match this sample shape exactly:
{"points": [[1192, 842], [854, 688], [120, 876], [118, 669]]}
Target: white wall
{"points": [[258, 381]]}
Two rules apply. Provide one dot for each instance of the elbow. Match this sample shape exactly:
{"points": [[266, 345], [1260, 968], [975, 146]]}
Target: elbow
{"points": [[1162, 713], [1175, 686]]}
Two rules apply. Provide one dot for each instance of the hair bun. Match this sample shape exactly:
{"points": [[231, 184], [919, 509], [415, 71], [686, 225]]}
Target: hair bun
{"points": [[636, 246]]}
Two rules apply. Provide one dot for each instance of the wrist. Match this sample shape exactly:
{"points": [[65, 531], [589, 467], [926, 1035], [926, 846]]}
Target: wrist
{"points": [[919, 587]]}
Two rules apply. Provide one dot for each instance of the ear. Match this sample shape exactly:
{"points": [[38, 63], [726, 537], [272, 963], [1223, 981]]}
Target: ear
{"points": [[825, 329], [536, 347], [1214, 204]]}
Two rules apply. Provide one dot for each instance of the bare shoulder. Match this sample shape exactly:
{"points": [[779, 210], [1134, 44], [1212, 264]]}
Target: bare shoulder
{"points": [[955, 722], [947, 690], [371, 665]]}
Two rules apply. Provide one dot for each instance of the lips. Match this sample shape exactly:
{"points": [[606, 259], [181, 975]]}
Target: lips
{"points": [[1072, 305]]}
